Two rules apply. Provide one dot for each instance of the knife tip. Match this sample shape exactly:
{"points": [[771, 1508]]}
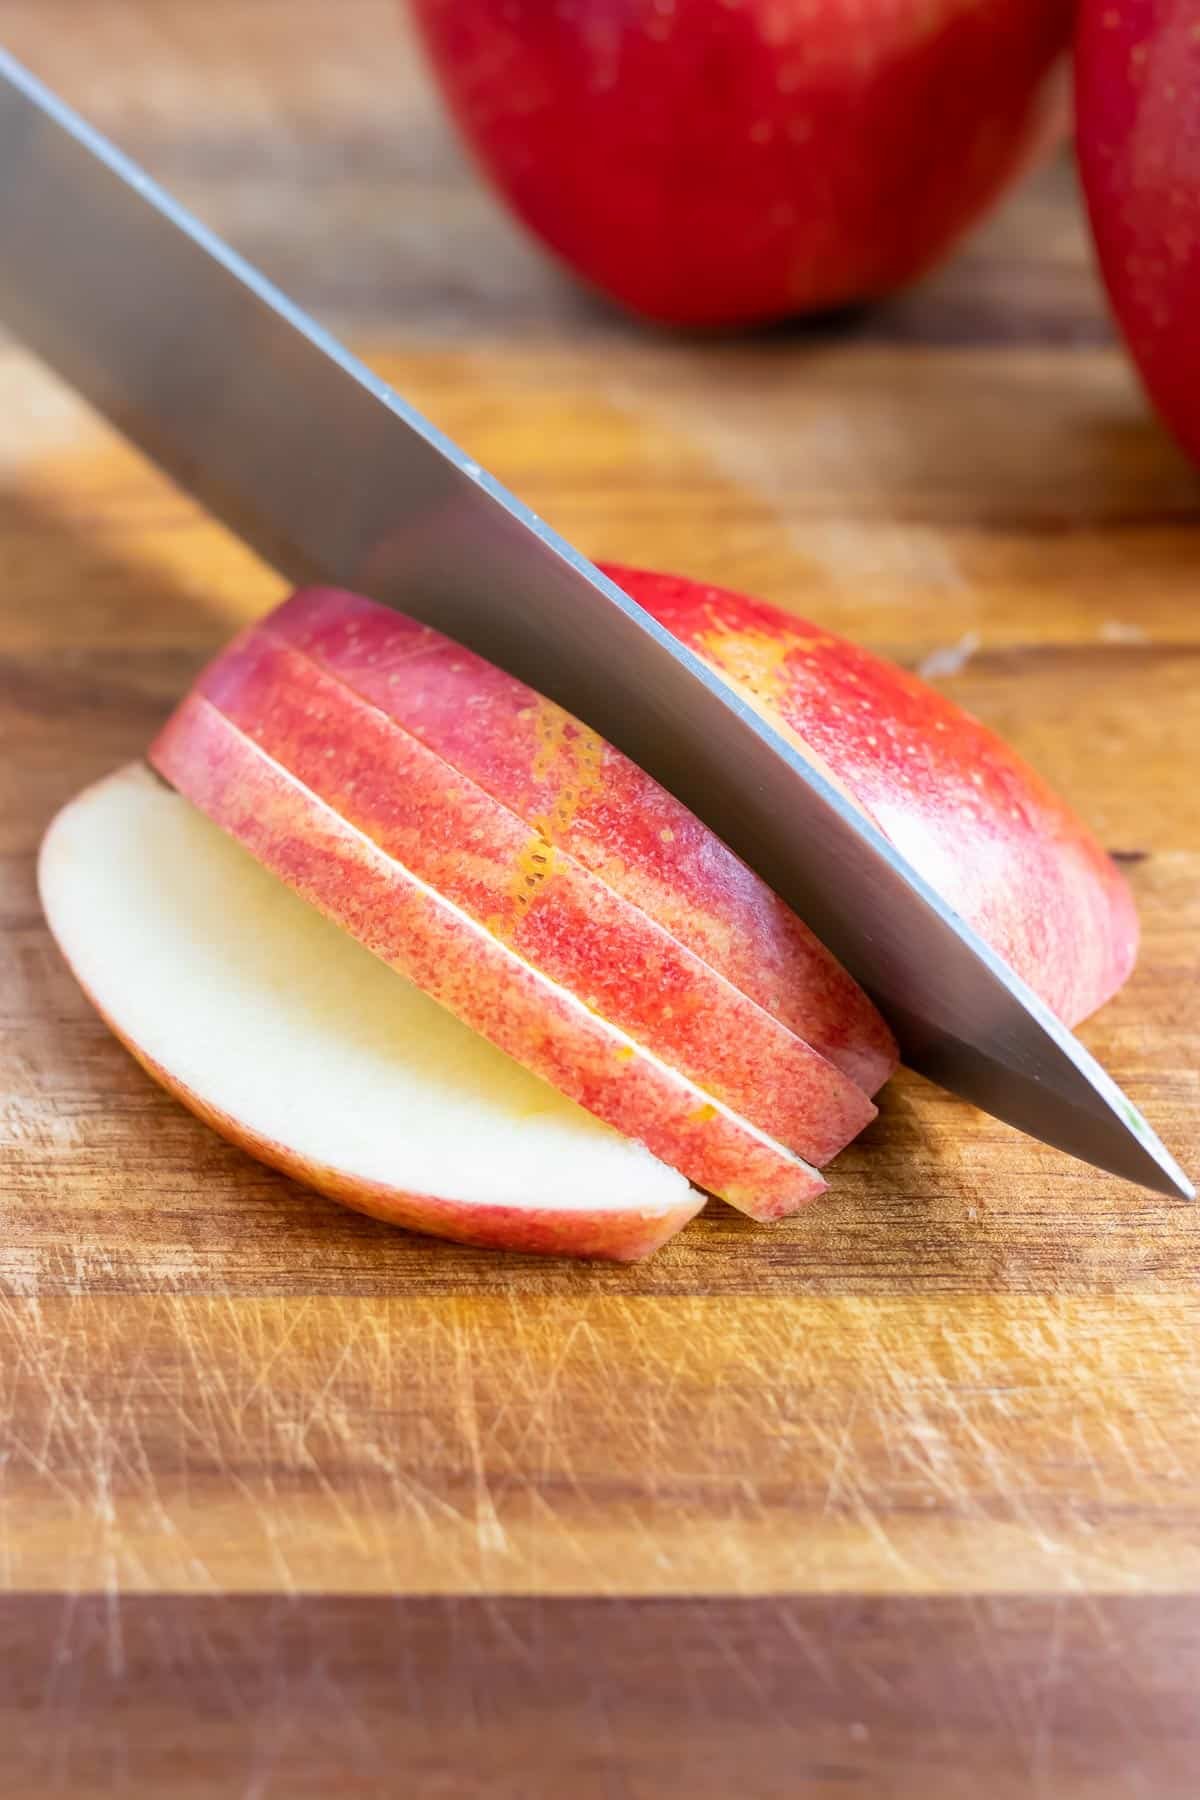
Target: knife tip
{"points": [[1166, 1176]]}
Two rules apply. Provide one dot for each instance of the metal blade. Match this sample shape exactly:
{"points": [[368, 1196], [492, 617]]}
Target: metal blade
{"points": [[332, 477]]}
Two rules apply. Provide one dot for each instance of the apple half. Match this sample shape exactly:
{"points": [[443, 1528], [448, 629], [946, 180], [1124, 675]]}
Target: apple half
{"points": [[405, 929]]}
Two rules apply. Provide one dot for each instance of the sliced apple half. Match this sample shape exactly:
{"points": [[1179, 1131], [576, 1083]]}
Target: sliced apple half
{"points": [[295, 1042], [453, 959]]}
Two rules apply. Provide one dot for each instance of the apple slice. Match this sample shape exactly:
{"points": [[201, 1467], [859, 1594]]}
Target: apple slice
{"points": [[296, 1043], [982, 828]]}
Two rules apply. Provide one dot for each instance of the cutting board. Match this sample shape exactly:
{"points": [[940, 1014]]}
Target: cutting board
{"points": [[901, 1497]]}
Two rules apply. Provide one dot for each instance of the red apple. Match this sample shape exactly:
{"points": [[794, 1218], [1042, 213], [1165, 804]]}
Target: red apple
{"points": [[507, 864], [972, 818], [1138, 105], [720, 162]]}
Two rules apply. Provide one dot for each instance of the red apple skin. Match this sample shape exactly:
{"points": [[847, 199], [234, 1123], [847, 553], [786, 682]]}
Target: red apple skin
{"points": [[595, 807], [548, 1230], [567, 923], [982, 828], [1137, 85], [480, 979], [714, 163]]}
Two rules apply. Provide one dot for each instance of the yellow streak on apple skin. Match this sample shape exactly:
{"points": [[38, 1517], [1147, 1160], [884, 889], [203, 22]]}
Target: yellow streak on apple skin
{"points": [[753, 665], [753, 661], [583, 754], [533, 866], [560, 741]]}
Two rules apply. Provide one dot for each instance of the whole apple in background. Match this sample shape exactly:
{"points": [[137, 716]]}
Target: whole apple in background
{"points": [[1138, 104], [722, 162], [982, 828]]}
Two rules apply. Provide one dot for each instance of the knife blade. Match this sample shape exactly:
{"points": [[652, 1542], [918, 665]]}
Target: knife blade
{"points": [[331, 476]]}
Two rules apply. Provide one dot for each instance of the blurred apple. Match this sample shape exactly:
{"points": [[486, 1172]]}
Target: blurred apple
{"points": [[1138, 101], [721, 162]]}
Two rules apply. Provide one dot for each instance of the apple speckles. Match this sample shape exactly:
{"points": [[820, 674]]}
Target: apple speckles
{"points": [[752, 659], [533, 868]]}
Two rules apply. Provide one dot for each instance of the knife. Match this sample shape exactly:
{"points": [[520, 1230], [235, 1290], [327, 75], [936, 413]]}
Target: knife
{"points": [[334, 478]]}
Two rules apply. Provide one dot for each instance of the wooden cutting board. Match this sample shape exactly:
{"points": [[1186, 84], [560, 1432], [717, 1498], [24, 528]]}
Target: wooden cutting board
{"points": [[899, 1498]]}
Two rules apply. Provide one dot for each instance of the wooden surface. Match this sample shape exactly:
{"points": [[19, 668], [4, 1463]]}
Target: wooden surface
{"points": [[901, 1497]]}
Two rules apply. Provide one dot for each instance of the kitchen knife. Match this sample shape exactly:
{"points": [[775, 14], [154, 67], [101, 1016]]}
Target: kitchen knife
{"points": [[330, 475]]}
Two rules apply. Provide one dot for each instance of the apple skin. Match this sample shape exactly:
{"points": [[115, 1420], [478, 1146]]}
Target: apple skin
{"points": [[317, 853], [1137, 84], [392, 786], [710, 163], [982, 828]]}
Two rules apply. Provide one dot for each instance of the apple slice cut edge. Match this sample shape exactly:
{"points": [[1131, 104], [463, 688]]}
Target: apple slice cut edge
{"points": [[295, 1042]]}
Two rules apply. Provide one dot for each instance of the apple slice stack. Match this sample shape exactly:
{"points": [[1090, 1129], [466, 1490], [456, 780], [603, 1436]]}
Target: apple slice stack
{"points": [[455, 960]]}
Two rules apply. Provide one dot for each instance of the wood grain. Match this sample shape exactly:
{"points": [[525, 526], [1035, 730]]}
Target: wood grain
{"points": [[633, 1445], [900, 1496], [530, 1699]]}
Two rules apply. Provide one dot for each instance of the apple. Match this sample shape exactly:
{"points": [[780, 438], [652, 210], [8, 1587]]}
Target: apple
{"points": [[1138, 132], [453, 959], [722, 162], [294, 1042], [982, 828]]}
